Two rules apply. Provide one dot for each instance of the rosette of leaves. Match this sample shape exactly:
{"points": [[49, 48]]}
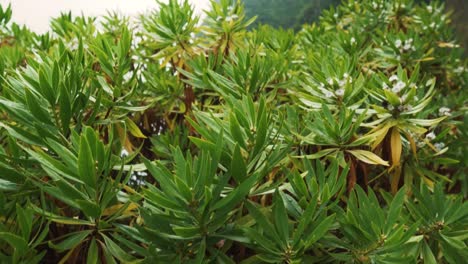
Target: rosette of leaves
{"points": [[170, 33], [337, 137], [188, 216], [225, 26], [402, 103], [252, 136], [329, 78], [368, 233], [442, 221]]}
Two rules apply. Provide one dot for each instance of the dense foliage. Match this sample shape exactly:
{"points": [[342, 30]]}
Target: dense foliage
{"points": [[172, 139]]}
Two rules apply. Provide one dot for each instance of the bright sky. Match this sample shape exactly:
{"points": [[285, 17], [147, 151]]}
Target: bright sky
{"points": [[36, 14]]}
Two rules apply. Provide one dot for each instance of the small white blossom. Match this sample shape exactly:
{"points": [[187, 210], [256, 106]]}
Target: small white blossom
{"points": [[385, 86], [390, 107], [430, 136], [330, 81], [432, 25], [342, 83], [375, 5], [335, 15], [393, 78], [398, 43], [439, 146], [174, 44], [128, 76], [353, 41], [340, 92], [398, 87], [429, 8], [407, 46], [123, 153], [346, 75], [460, 69], [328, 94], [444, 111]]}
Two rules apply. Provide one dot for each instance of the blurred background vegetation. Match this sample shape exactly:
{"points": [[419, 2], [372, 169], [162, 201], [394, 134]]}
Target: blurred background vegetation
{"points": [[294, 13]]}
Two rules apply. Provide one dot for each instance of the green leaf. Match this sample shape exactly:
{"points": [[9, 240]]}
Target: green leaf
{"points": [[86, 167], [93, 253], [319, 231], [90, 208], [71, 241], [18, 243], [133, 128], [238, 167], [25, 220], [281, 217], [117, 251]]}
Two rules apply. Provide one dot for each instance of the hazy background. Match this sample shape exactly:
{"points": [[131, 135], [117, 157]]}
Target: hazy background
{"points": [[36, 14]]}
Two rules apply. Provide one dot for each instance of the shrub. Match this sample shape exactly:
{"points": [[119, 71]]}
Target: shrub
{"points": [[174, 138]]}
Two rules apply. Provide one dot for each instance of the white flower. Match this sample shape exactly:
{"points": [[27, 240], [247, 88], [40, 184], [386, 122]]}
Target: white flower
{"points": [[413, 85], [123, 153], [335, 15], [330, 81], [328, 94], [390, 107], [430, 136], [385, 86], [393, 78], [398, 43], [439, 146], [353, 41], [398, 87], [444, 111], [375, 5], [432, 25], [346, 75], [342, 83], [128, 76], [408, 107], [460, 69], [429, 8], [340, 92], [174, 44], [407, 46]]}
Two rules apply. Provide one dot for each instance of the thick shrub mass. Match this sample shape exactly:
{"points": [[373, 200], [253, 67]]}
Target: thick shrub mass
{"points": [[174, 138]]}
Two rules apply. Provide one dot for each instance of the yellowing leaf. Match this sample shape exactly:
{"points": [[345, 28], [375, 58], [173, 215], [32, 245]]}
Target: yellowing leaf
{"points": [[396, 147], [368, 157], [134, 129]]}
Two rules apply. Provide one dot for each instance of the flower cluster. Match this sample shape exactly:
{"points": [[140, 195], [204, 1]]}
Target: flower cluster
{"points": [[138, 178], [444, 111], [405, 46], [336, 83]]}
